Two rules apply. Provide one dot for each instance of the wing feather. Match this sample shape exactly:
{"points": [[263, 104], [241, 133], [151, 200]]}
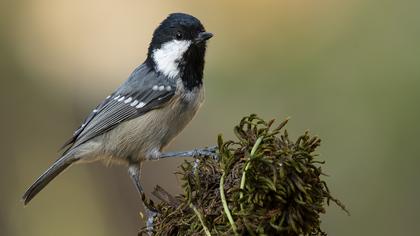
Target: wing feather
{"points": [[120, 106]]}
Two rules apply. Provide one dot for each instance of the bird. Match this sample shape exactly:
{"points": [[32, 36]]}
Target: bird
{"points": [[140, 118]]}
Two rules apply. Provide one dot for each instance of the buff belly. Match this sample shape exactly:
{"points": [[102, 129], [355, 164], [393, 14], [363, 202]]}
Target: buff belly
{"points": [[144, 137]]}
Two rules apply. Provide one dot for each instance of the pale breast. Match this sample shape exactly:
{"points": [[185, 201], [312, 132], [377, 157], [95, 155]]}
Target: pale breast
{"points": [[143, 137]]}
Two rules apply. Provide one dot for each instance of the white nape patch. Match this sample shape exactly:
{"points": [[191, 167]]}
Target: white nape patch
{"points": [[141, 104], [134, 103], [128, 100], [168, 56]]}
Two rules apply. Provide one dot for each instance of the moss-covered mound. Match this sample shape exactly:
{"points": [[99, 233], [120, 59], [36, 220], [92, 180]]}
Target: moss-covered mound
{"points": [[262, 183]]}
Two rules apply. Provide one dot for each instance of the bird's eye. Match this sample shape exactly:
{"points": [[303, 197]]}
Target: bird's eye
{"points": [[178, 35]]}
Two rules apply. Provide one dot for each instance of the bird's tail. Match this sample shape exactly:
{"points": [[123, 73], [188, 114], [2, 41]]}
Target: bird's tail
{"points": [[55, 169]]}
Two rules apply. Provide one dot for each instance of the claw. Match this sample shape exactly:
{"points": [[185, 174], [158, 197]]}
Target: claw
{"points": [[205, 152], [150, 219]]}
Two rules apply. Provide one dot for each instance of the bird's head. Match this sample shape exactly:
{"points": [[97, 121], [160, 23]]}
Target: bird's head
{"points": [[178, 47]]}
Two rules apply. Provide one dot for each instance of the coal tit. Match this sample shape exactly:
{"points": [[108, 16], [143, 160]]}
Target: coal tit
{"points": [[148, 110]]}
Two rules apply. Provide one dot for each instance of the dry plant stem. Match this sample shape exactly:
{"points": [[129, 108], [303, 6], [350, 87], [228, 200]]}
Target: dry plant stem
{"points": [[225, 205], [243, 179], [200, 217]]}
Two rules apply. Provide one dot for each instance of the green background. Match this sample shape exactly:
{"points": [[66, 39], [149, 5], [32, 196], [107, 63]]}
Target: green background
{"points": [[346, 70]]}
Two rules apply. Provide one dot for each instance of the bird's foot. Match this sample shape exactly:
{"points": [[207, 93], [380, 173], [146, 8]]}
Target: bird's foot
{"points": [[196, 153], [150, 213], [150, 220], [205, 152]]}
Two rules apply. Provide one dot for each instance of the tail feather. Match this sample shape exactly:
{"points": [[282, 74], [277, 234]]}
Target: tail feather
{"points": [[59, 166]]}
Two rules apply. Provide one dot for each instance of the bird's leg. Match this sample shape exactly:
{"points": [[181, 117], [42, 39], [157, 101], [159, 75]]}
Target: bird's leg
{"points": [[196, 153], [202, 152], [134, 172]]}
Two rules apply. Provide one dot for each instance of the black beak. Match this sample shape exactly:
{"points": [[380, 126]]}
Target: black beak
{"points": [[203, 36]]}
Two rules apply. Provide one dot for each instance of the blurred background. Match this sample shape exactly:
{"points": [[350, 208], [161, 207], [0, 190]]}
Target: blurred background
{"points": [[346, 70]]}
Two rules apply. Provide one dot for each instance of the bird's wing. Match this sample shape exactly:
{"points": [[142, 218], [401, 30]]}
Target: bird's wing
{"points": [[141, 93]]}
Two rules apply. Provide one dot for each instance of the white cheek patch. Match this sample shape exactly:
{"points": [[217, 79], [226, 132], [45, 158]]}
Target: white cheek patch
{"points": [[167, 57]]}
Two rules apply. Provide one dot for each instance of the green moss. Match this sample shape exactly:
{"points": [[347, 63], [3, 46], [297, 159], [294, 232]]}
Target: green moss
{"points": [[262, 184]]}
